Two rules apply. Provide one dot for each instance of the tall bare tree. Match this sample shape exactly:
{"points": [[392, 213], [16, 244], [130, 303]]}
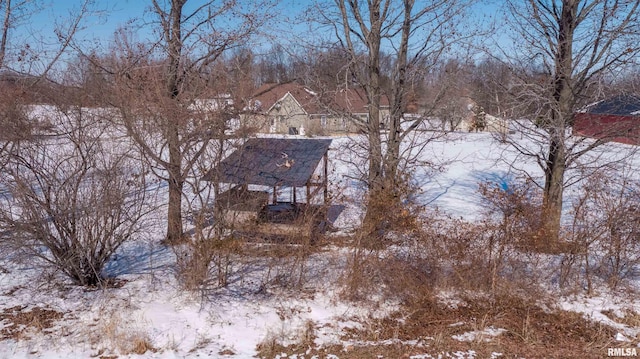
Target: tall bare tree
{"points": [[159, 83], [6, 25], [414, 35], [13, 13], [570, 45], [25, 71]]}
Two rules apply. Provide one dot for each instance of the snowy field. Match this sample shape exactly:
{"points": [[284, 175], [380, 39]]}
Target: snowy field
{"points": [[148, 307]]}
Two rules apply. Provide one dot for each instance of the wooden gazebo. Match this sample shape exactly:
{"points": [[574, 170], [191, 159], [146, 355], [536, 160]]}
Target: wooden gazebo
{"points": [[264, 165]]}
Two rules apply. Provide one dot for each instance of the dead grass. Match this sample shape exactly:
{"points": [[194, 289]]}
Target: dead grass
{"points": [[226, 352], [628, 317], [530, 330], [119, 336], [18, 321], [270, 346], [428, 327], [140, 345]]}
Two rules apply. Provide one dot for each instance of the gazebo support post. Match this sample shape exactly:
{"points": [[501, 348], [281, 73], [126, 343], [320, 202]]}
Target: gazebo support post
{"points": [[325, 180]]}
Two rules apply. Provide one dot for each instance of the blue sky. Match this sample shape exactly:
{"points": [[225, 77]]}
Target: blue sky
{"points": [[37, 27], [108, 15]]}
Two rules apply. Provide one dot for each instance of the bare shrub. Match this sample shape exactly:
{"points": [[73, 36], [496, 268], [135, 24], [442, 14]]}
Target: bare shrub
{"points": [[286, 257], [203, 262], [405, 265], [396, 221], [204, 258], [498, 254], [513, 211], [70, 201], [607, 228]]}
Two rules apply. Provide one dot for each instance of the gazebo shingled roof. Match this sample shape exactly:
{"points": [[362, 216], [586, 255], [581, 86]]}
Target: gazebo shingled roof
{"points": [[261, 161]]}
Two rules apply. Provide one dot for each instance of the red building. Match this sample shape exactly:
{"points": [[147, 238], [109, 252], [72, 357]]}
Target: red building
{"points": [[615, 119]]}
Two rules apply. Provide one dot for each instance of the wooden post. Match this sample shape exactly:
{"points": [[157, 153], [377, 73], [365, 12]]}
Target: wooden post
{"points": [[325, 179], [294, 194], [308, 193]]}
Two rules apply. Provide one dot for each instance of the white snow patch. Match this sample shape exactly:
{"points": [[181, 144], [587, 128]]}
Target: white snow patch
{"points": [[484, 335]]}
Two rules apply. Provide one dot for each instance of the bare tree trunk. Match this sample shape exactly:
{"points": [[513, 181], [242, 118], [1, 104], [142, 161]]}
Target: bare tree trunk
{"points": [[398, 101], [561, 119], [174, 214], [5, 31], [176, 180], [553, 189], [372, 87]]}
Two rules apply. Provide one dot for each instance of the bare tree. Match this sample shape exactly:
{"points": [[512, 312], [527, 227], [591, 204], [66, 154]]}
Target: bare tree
{"points": [[13, 13], [490, 81], [154, 97], [415, 35], [24, 70], [568, 46], [6, 25]]}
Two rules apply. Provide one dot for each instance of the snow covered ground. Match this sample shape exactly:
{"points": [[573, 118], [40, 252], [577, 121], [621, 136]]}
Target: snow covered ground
{"points": [[149, 308]]}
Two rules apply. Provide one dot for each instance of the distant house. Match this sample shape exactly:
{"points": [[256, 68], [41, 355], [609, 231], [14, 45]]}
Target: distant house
{"points": [[462, 113], [615, 119], [292, 108]]}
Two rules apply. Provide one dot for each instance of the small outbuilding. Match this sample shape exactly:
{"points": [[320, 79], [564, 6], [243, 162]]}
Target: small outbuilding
{"points": [[278, 181], [616, 119]]}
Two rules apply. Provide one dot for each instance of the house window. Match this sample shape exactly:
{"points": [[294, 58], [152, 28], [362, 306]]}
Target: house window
{"points": [[323, 121]]}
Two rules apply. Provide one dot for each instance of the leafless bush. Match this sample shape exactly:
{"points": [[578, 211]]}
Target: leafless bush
{"points": [[513, 210], [205, 257], [394, 220], [70, 200], [493, 255], [606, 228]]}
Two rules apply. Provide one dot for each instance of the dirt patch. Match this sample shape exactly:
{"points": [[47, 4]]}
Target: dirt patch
{"points": [[16, 321]]}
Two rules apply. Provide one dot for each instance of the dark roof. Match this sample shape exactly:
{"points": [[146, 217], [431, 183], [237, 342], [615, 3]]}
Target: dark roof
{"points": [[624, 105], [349, 100], [269, 94], [261, 161]]}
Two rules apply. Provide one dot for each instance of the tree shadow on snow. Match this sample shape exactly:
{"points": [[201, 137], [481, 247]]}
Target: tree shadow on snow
{"points": [[139, 258]]}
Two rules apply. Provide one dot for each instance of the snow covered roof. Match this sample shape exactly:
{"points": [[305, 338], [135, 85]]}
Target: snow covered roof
{"points": [[273, 162]]}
